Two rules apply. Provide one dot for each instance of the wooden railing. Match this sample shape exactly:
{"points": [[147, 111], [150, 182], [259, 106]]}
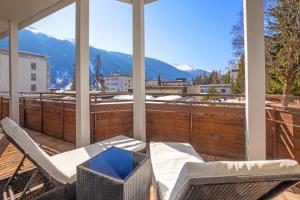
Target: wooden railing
{"points": [[213, 128]]}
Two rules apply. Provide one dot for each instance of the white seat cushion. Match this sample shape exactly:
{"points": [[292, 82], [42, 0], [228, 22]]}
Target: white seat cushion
{"points": [[68, 161], [232, 169], [25, 142], [168, 159], [174, 164]]}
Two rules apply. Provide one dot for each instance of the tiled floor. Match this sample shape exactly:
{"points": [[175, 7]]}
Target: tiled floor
{"points": [[10, 156]]}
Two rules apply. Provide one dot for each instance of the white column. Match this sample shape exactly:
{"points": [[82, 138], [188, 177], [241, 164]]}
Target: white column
{"points": [[139, 110], [255, 80], [82, 74], [13, 71]]}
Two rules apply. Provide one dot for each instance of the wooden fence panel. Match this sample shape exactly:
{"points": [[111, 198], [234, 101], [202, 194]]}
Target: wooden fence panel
{"points": [[52, 119], [110, 120], [4, 102], [217, 131], [288, 135], [69, 122], [32, 114], [168, 123]]}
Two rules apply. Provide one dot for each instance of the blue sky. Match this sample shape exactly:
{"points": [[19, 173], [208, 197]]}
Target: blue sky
{"points": [[195, 32]]}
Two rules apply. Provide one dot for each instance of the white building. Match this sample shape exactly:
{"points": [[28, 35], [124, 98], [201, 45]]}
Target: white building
{"points": [[178, 82], [204, 89], [150, 83], [118, 83], [33, 72]]}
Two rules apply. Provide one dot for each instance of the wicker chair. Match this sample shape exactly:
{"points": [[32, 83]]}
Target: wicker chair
{"points": [[180, 173]]}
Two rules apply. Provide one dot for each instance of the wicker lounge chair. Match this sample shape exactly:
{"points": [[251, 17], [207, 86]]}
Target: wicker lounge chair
{"points": [[59, 169], [180, 173]]}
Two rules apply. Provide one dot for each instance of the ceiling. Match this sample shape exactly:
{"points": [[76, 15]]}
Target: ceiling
{"points": [[130, 1], [26, 12]]}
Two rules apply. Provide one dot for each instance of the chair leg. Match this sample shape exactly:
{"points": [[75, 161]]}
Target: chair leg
{"points": [[29, 184], [12, 177]]}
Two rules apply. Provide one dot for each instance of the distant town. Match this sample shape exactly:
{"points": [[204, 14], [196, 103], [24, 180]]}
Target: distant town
{"points": [[35, 76]]}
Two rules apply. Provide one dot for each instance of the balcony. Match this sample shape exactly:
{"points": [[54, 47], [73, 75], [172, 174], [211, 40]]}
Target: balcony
{"points": [[216, 130]]}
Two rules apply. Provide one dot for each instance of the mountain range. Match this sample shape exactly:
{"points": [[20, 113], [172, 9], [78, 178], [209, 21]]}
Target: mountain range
{"points": [[61, 56]]}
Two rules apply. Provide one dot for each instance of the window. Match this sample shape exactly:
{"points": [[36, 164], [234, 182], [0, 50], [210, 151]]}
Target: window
{"points": [[203, 90], [223, 91], [33, 66], [33, 77], [33, 88]]}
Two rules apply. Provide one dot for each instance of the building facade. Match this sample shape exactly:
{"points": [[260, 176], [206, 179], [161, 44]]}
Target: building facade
{"points": [[118, 83], [204, 89], [177, 83], [150, 83], [166, 89], [33, 72]]}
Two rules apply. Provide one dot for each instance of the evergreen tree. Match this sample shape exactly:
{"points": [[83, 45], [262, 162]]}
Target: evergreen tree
{"points": [[99, 82], [214, 77], [225, 78], [158, 80], [73, 87], [238, 86], [283, 43], [211, 90], [201, 80], [97, 72]]}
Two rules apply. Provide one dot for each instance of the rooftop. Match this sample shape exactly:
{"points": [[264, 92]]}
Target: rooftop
{"points": [[23, 54]]}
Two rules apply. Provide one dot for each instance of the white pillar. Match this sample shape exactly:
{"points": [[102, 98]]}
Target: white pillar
{"points": [[13, 71], [255, 80], [82, 74], [139, 110]]}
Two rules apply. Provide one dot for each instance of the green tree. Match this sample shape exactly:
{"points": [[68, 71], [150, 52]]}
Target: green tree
{"points": [[225, 78], [204, 80], [97, 76], [238, 85], [214, 77], [159, 80], [237, 32], [201, 80], [283, 42], [73, 87], [211, 90], [296, 86], [237, 41]]}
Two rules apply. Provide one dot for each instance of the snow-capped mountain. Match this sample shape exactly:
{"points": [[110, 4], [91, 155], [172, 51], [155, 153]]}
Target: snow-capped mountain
{"points": [[61, 56], [190, 69], [39, 32]]}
